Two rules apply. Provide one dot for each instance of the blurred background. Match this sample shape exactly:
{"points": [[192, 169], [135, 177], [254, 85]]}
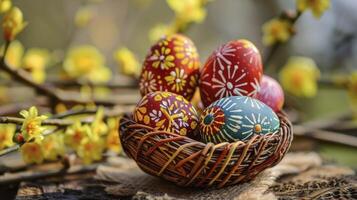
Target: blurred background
{"points": [[109, 25], [330, 41]]}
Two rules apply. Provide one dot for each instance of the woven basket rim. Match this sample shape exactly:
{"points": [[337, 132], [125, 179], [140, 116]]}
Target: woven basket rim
{"points": [[144, 144]]}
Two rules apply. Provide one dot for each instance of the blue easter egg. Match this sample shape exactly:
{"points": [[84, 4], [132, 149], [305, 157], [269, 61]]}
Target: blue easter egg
{"points": [[236, 118]]}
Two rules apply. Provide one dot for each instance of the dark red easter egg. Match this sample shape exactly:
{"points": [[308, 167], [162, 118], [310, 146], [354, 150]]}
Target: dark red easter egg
{"points": [[167, 111], [172, 65], [234, 69], [271, 93]]}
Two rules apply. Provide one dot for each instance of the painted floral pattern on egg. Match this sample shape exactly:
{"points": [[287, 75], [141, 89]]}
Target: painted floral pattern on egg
{"points": [[236, 118], [172, 65], [234, 69], [166, 111]]}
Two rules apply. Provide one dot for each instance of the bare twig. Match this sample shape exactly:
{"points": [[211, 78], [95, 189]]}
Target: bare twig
{"points": [[323, 135], [47, 122], [9, 150], [111, 85]]}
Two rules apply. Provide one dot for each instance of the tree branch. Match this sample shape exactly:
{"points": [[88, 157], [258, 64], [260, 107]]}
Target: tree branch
{"points": [[47, 122], [50, 91]]}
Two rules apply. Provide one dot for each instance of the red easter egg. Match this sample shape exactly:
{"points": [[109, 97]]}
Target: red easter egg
{"points": [[271, 93], [234, 69], [172, 65], [167, 111]]}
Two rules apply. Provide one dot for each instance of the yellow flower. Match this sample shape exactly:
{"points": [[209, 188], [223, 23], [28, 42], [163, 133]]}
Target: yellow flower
{"points": [[127, 62], [317, 7], [5, 5], [91, 147], [188, 10], [36, 58], [299, 77], [31, 127], [86, 63], [13, 23], [83, 16], [35, 61], [32, 152], [276, 30], [160, 30], [113, 141], [75, 134], [98, 126], [6, 133], [53, 146], [14, 54]]}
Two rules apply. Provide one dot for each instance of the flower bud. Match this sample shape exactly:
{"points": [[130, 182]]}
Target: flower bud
{"points": [[13, 23], [5, 5]]}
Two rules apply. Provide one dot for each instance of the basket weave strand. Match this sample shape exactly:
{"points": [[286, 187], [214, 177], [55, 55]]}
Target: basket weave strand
{"points": [[188, 162]]}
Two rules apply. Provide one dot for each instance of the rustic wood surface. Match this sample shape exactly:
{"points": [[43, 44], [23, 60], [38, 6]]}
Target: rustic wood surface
{"points": [[298, 176]]}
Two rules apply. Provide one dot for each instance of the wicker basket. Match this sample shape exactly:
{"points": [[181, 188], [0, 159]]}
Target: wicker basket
{"points": [[187, 162]]}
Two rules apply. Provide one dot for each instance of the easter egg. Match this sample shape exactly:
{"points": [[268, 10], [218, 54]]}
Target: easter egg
{"points": [[166, 111], [172, 65], [271, 93], [236, 118], [234, 69]]}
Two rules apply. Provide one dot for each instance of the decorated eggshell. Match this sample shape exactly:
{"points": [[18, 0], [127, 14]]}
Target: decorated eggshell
{"points": [[271, 93], [236, 118], [234, 69], [172, 65], [166, 111]]}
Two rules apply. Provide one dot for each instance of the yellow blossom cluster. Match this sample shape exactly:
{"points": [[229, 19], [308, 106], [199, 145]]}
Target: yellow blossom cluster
{"points": [[7, 132], [31, 127], [5, 5], [186, 12], [13, 23], [127, 62], [36, 148], [34, 60], [299, 77], [89, 141], [276, 30], [50, 148], [280, 29], [87, 64], [317, 7]]}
